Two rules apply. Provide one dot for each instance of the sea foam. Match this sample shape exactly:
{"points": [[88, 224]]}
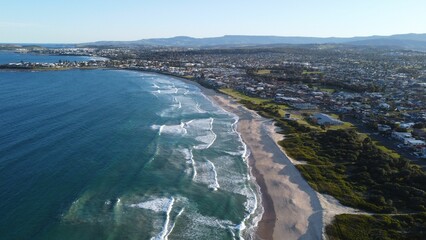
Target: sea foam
{"points": [[156, 205]]}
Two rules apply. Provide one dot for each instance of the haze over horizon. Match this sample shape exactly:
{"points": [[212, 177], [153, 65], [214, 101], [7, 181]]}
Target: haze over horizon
{"points": [[79, 21]]}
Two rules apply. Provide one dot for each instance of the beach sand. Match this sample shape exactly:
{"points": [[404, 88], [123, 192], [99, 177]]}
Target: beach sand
{"points": [[292, 208]]}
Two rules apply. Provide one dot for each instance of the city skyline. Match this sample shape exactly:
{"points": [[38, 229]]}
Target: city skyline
{"points": [[76, 22]]}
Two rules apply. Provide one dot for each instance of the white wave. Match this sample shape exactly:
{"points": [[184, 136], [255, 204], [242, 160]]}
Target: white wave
{"points": [[234, 153], [198, 225], [194, 169], [186, 92], [197, 106], [164, 232], [155, 85], [253, 216], [215, 185], [183, 127], [187, 154], [118, 211], [161, 129], [250, 189], [253, 204], [171, 129], [206, 174], [156, 205], [207, 139], [174, 223], [246, 152], [189, 157], [157, 150], [211, 130], [234, 124]]}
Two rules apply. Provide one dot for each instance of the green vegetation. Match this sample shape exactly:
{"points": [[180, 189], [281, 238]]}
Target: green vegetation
{"points": [[263, 71], [358, 173], [387, 150], [329, 90], [361, 174], [266, 107], [360, 227], [355, 170], [240, 96]]}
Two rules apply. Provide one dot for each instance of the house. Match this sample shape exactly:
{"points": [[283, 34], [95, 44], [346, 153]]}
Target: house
{"points": [[406, 125], [383, 128], [324, 119], [423, 152], [412, 142], [401, 136], [420, 133], [384, 106], [304, 106]]}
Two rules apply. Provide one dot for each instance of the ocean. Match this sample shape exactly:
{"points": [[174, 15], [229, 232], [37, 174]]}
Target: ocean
{"points": [[112, 154], [12, 57]]}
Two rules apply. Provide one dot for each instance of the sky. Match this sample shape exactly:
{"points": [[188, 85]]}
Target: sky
{"points": [[78, 21]]}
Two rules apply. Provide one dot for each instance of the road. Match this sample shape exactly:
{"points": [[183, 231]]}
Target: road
{"points": [[386, 141]]}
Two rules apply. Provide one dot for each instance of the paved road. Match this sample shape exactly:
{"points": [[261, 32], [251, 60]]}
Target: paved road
{"points": [[386, 141]]}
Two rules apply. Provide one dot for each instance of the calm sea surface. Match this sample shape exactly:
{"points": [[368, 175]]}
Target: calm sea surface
{"points": [[107, 154], [12, 57]]}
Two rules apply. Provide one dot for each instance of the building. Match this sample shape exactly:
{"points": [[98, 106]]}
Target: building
{"points": [[383, 128], [324, 119], [401, 136], [406, 125], [412, 142], [304, 106]]}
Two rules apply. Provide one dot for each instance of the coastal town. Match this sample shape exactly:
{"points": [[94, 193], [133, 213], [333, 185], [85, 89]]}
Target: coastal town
{"points": [[353, 120], [381, 91], [218, 120]]}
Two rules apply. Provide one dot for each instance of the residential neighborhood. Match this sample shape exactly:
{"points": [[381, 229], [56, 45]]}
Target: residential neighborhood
{"points": [[383, 90]]}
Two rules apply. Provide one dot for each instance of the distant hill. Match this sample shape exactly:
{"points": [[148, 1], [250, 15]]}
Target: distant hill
{"points": [[405, 41]]}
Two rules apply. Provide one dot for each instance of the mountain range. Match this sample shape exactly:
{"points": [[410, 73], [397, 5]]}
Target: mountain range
{"points": [[405, 41]]}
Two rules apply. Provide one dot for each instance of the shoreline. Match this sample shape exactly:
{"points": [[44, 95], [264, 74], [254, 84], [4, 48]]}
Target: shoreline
{"points": [[292, 209]]}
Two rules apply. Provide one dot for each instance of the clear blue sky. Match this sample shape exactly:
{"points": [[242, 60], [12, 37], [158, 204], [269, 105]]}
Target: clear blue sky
{"points": [[74, 21]]}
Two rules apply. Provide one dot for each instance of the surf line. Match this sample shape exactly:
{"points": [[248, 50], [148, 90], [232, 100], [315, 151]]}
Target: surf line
{"points": [[164, 233], [214, 134], [174, 223], [215, 185]]}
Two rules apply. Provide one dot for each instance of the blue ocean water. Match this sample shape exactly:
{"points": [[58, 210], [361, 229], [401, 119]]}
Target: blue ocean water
{"points": [[12, 57], [108, 154]]}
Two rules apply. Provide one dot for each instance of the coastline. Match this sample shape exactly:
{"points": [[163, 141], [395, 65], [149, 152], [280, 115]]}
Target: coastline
{"points": [[284, 192], [292, 209]]}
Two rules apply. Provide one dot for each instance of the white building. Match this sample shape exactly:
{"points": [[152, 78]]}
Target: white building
{"points": [[401, 136], [414, 142], [383, 128], [324, 119]]}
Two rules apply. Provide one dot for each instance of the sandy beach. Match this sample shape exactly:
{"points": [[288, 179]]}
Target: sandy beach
{"points": [[292, 208]]}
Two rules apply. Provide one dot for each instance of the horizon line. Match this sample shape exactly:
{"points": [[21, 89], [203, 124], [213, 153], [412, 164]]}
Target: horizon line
{"points": [[241, 35]]}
